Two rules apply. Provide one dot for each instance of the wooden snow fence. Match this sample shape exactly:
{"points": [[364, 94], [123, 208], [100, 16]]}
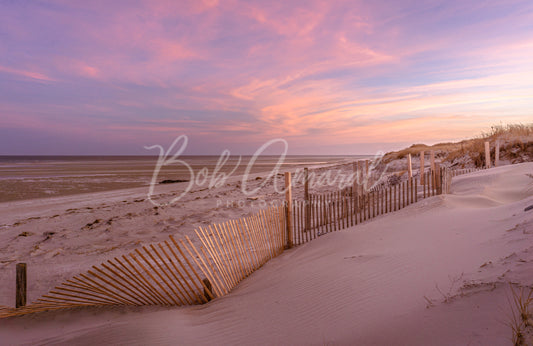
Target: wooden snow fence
{"points": [[333, 211], [456, 172], [174, 272], [189, 271]]}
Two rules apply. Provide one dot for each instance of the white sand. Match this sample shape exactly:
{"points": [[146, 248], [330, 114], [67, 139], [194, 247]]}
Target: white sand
{"points": [[436, 272]]}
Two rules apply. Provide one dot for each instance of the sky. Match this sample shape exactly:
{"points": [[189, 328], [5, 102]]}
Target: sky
{"points": [[329, 77]]}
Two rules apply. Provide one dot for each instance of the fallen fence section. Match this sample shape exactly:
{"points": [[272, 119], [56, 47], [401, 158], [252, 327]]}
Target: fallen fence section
{"points": [[176, 271]]}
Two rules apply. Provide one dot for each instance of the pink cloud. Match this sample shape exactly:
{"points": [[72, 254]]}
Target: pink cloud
{"points": [[328, 72], [88, 71], [167, 51], [28, 74], [290, 21]]}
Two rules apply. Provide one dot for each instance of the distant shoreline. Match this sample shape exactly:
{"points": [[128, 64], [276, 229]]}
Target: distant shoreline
{"points": [[31, 177]]}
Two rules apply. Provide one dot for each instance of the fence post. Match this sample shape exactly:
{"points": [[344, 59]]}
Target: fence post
{"points": [[487, 154], [442, 178], [288, 203], [438, 179], [422, 154], [442, 174], [432, 160], [448, 180], [409, 167], [395, 199], [423, 183], [355, 190], [306, 184], [361, 175], [367, 175], [432, 189], [307, 201], [404, 194], [497, 154], [411, 181], [356, 177], [416, 190], [20, 296]]}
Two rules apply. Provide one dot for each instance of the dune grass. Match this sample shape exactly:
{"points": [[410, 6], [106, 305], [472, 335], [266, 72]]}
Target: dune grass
{"points": [[521, 319], [516, 145]]}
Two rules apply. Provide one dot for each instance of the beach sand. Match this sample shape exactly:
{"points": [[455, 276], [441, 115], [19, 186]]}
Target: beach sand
{"points": [[436, 272], [59, 237]]}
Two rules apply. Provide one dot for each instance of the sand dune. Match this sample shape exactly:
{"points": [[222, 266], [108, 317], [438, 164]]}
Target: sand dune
{"points": [[436, 272]]}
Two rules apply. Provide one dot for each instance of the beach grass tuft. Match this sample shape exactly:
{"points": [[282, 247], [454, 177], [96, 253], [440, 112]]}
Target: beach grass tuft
{"points": [[521, 319]]}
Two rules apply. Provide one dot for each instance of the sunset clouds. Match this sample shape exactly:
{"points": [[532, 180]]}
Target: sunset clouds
{"points": [[329, 77]]}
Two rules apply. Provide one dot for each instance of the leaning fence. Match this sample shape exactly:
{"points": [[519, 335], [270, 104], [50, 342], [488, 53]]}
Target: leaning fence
{"points": [[175, 271]]}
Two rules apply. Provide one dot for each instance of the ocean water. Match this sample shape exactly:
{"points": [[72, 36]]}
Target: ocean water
{"points": [[28, 177]]}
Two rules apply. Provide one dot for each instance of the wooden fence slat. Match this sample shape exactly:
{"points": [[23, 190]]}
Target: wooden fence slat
{"points": [[183, 295], [209, 244], [187, 272], [325, 218], [350, 206], [218, 249], [79, 293], [256, 245], [125, 290], [361, 207], [105, 289], [330, 213], [237, 251], [220, 285], [298, 207], [368, 209], [337, 210], [250, 246], [404, 193], [144, 283], [238, 229], [260, 240], [203, 268], [264, 224], [124, 277], [226, 248], [396, 197], [416, 190], [181, 280], [90, 288], [325, 213], [234, 268], [161, 268], [86, 291], [317, 209], [264, 245], [153, 270]]}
